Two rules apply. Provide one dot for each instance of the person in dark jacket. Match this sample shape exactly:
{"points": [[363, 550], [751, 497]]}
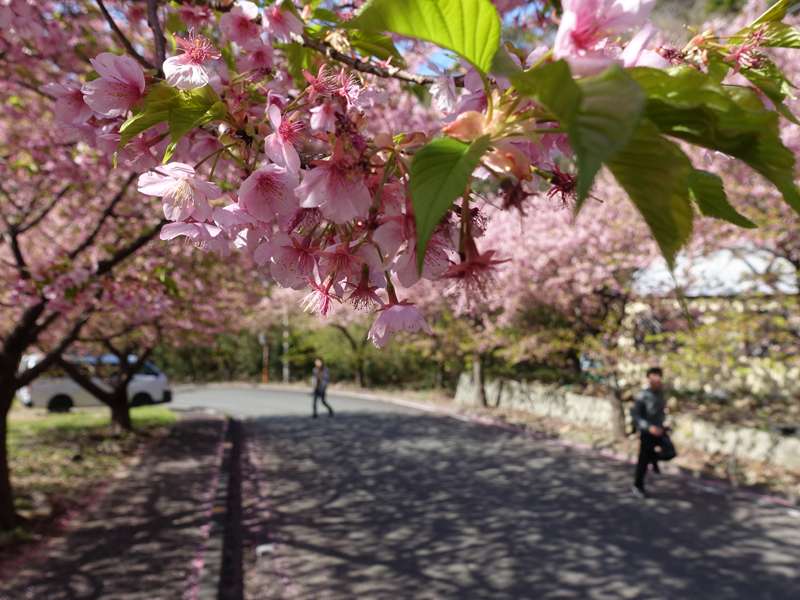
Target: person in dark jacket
{"points": [[320, 376], [648, 416]]}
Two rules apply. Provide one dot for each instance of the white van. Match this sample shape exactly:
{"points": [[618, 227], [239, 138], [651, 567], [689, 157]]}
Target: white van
{"points": [[58, 392]]}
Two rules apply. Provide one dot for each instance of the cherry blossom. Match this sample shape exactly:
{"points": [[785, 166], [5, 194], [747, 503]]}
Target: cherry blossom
{"points": [[237, 25], [182, 194], [71, 109], [281, 23], [335, 187], [402, 316], [204, 237], [121, 84], [280, 145], [586, 23], [269, 191], [186, 72]]}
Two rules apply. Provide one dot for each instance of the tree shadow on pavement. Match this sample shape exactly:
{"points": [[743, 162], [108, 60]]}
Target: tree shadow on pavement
{"points": [[141, 540], [393, 506]]}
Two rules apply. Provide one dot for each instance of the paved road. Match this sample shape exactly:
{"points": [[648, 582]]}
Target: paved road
{"points": [[387, 502]]}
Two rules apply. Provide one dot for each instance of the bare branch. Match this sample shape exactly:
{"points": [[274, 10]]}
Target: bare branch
{"points": [[367, 67], [106, 213], [161, 51], [104, 266], [125, 41], [45, 211]]}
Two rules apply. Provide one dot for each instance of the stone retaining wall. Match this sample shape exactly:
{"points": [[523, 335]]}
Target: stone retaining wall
{"points": [[550, 401]]}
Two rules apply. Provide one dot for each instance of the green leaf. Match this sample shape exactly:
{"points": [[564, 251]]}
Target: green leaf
{"points": [[782, 35], [439, 173], [601, 113], [609, 115], [776, 12], [183, 110], [298, 58], [372, 43], [654, 171], [689, 105], [718, 69], [709, 194], [323, 14], [470, 28], [552, 86], [183, 121]]}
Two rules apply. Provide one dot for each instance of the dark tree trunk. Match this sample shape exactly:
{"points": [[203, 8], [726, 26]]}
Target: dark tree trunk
{"points": [[439, 375], [618, 415], [477, 380], [359, 360], [187, 357], [120, 411], [8, 516]]}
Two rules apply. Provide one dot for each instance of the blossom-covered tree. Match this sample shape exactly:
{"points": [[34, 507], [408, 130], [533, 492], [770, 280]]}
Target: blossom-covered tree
{"points": [[271, 130]]}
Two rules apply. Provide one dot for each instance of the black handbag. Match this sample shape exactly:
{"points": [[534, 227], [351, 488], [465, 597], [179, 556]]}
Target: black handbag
{"points": [[667, 449]]}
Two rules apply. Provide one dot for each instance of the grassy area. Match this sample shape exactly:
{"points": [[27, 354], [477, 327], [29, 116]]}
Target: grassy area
{"points": [[56, 459]]}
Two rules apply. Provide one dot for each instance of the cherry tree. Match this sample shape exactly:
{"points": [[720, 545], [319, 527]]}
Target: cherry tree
{"points": [[269, 129]]}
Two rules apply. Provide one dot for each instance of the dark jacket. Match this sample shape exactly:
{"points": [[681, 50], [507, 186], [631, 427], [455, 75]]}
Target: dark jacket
{"points": [[648, 409], [320, 381]]}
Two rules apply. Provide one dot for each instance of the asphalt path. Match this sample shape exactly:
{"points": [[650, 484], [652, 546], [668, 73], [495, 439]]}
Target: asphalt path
{"points": [[389, 502]]}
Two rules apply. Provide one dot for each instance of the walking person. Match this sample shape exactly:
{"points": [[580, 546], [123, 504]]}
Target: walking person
{"points": [[648, 416], [320, 376]]}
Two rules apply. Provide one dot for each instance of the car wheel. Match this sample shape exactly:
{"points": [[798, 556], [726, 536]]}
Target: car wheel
{"points": [[141, 399], [60, 404]]}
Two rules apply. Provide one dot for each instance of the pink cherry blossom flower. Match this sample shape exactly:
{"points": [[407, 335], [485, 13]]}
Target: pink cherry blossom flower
{"points": [[257, 57], [204, 236], [443, 90], [71, 109], [194, 17], [340, 262], [186, 72], [396, 317], [320, 86], [182, 193], [121, 83], [241, 227], [269, 191], [320, 300], [350, 90], [323, 117], [636, 54], [434, 264], [237, 25], [280, 146], [293, 261], [586, 23], [281, 23], [363, 295], [476, 274], [337, 187]]}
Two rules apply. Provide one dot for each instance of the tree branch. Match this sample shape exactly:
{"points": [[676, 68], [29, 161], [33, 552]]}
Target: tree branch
{"points": [[367, 67], [125, 41], [161, 52], [355, 63], [104, 266], [84, 380], [45, 210], [106, 213]]}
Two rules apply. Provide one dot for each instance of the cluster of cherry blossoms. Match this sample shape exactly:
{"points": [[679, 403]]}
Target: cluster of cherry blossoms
{"points": [[293, 173]]}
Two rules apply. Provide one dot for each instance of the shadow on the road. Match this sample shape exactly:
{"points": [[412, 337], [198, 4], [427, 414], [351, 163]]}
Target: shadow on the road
{"points": [[141, 540], [398, 506]]}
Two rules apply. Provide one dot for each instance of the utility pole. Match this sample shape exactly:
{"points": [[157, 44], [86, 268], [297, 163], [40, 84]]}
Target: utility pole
{"points": [[286, 346]]}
